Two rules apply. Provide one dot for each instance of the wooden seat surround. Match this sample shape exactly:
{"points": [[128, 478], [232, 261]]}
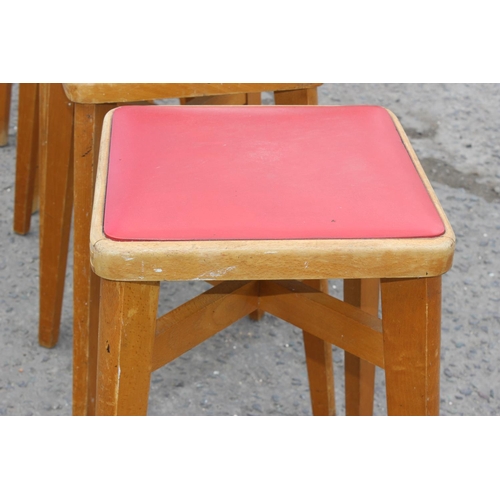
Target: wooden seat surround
{"points": [[268, 203]]}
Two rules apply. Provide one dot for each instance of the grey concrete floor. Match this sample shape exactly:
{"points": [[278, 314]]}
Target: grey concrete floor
{"points": [[258, 368]]}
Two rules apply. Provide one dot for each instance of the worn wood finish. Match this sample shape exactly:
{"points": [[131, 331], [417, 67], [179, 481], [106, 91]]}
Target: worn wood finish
{"points": [[267, 259], [96, 93], [5, 98], [56, 196], [126, 338], [319, 362], [26, 156], [87, 123], [411, 316], [276, 259], [359, 373], [198, 319], [328, 318]]}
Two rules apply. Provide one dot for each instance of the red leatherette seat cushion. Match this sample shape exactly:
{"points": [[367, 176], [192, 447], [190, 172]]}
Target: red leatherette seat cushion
{"points": [[262, 172]]}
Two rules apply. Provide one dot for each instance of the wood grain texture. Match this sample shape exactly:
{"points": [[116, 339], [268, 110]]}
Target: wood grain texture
{"points": [[198, 319], [27, 151], [319, 361], [360, 374], [5, 98], [325, 317], [411, 316], [56, 201], [97, 93], [88, 122], [126, 338]]}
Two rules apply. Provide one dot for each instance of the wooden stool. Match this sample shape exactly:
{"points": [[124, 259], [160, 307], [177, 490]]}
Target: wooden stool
{"points": [[262, 200], [70, 118]]}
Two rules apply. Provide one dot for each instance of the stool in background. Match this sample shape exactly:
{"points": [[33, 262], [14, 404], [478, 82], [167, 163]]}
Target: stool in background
{"points": [[266, 199]]}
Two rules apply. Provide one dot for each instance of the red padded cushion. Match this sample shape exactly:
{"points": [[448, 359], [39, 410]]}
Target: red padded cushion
{"points": [[262, 172]]}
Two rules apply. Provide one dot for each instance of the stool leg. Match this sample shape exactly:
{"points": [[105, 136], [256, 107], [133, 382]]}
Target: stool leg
{"points": [[126, 337], [411, 318], [5, 96], [88, 124], [56, 202], [359, 374], [320, 366], [26, 156]]}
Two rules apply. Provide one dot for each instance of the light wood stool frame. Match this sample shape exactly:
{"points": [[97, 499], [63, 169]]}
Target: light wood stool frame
{"points": [[274, 276]]}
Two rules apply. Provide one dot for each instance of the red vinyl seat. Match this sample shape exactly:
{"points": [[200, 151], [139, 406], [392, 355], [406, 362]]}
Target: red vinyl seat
{"points": [[238, 173]]}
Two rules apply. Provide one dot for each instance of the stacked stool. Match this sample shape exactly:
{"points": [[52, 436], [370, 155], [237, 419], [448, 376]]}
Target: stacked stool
{"points": [[268, 202]]}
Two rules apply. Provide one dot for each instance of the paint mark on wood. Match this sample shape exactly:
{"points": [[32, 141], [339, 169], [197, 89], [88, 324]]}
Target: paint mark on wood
{"points": [[216, 274]]}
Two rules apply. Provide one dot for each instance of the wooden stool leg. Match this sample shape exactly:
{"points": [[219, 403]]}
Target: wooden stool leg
{"points": [[56, 198], [320, 366], [5, 96], [296, 97], [26, 156], [411, 318], [126, 337], [88, 124], [359, 374]]}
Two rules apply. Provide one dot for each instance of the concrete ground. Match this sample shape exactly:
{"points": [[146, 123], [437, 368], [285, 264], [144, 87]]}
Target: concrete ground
{"points": [[258, 368]]}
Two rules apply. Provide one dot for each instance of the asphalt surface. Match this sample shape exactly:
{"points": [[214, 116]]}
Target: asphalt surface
{"points": [[259, 368]]}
